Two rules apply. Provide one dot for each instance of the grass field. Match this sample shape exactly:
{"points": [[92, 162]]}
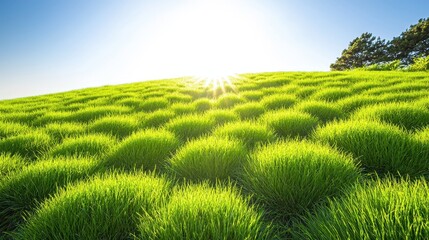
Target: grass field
{"points": [[335, 155]]}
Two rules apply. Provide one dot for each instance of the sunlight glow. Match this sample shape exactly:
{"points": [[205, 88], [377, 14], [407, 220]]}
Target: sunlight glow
{"points": [[209, 38], [216, 81]]}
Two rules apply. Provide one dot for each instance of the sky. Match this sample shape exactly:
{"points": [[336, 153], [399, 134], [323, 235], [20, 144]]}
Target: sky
{"points": [[48, 46]]}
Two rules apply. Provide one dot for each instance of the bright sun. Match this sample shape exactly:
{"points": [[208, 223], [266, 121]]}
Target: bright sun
{"points": [[210, 39]]}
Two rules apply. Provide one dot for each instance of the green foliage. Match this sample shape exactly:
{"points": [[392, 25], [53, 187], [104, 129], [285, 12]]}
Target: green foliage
{"points": [[386, 209], [21, 192], [289, 177], [92, 113], [209, 158], [202, 212], [331, 94], [420, 64], [147, 150], [384, 66], [379, 147], [202, 104], [286, 123], [190, 126], [104, 208], [412, 43], [362, 51], [91, 145]]}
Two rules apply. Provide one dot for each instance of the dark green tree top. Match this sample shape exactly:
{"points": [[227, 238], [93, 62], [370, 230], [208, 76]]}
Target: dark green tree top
{"points": [[412, 43], [362, 51]]}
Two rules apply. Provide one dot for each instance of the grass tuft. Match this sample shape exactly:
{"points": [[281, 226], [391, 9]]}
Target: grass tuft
{"points": [[30, 145], [118, 126], [106, 207], [91, 145], [190, 126], [250, 110], [286, 123], [290, 177], [147, 150], [21, 192], [208, 158], [389, 209], [276, 102], [202, 212]]}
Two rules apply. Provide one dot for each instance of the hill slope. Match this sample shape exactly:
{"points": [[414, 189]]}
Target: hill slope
{"points": [[260, 156]]}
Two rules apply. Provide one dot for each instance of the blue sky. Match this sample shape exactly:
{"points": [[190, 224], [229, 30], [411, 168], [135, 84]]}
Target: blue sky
{"points": [[49, 45]]}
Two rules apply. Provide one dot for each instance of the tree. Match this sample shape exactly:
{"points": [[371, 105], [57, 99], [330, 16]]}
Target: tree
{"points": [[413, 43], [361, 52]]}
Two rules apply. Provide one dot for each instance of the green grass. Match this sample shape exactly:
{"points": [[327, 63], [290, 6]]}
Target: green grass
{"points": [[249, 133], [21, 192], [118, 126], [201, 212], [378, 210], [275, 102], [221, 117], [208, 158], [324, 111], [29, 145], [104, 208], [91, 145], [325, 129], [60, 131], [10, 163], [408, 116], [8, 129], [290, 177], [156, 119], [190, 126], [379, 147], [289, 124], [147, 150]]}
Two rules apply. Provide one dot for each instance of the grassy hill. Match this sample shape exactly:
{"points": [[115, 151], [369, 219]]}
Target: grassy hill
{"points": [[337, 155]]}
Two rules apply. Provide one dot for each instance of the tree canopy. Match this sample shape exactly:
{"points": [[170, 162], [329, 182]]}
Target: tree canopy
{"points": [[367, 49]]}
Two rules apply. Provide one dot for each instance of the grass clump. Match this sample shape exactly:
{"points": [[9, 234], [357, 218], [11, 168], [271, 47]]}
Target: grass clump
{"points": [[8, 129], [156, 119], [91, 145], [253, 95], [29, 145], [104, 208], [10, 163], [289, 177], [379, 147], [23, 191], [286, 123], [408, 116], [221, 117], [182, 108], [202, 104], [275, 102], [208, 158], [190, 126], [202, 212], [250, 133], [92, 113], [325, 112], [229, 100], [250, 110], [59, 131], [147, 150], [350, 104], [152, 104], [331, 94], [118, 126], [390, 209]]}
